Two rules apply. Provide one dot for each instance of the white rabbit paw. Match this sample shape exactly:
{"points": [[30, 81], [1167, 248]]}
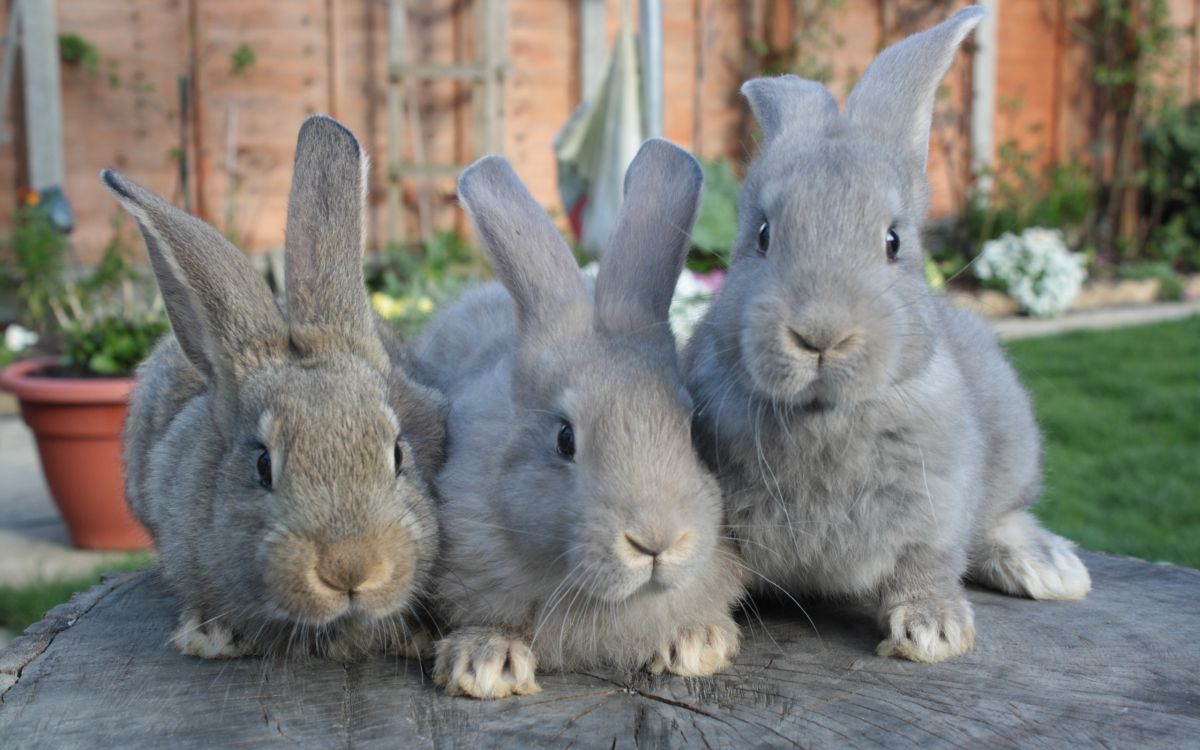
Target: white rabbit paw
{"points": [[696, 652], [207, 639], [929, 629], [1021, 558], [480, 663]]}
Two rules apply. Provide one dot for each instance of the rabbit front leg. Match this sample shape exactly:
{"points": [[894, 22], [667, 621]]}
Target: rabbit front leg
{"points": [[697, 651], [480, 662], [924, 610], [207, 638]]}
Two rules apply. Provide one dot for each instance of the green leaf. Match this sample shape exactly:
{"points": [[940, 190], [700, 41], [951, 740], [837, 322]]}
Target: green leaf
{"points": [[716, 226]]}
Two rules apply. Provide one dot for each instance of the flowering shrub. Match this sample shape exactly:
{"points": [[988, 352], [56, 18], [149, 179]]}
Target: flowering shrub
{"points": [[406, 313], [693, 295], [1036, 269]]}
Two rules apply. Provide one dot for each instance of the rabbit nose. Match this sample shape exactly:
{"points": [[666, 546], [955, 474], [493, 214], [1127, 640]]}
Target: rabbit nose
{"points": [[635, 549], [821, 342], [650, 550], [347, 568]]}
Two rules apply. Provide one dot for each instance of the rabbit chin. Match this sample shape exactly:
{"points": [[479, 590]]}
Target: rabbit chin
{"points": [[620, 583], [322, 609]]}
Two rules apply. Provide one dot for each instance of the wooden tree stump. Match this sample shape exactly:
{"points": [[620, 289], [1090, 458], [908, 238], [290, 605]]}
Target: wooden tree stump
{"points": [[1120, 669]]}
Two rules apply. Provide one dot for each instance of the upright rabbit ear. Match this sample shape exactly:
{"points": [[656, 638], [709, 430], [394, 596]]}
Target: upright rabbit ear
{"points": [[221, 310], [326, 236], [789, 103], [894, 99], [648, 247], [522, 245]]}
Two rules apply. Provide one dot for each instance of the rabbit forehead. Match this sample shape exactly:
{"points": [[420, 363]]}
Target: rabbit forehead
{"points": [[337, 402], [599, 366], [830, 181]]}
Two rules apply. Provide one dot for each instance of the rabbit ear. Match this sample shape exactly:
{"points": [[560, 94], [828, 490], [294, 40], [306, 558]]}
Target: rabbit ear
{"points": [[221, 310], [789, 103], [650, 242], [522, 245], [326, 232], [894, 98]]}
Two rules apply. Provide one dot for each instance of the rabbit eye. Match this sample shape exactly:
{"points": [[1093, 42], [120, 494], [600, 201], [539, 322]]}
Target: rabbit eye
{"points": [[264, 468], [398, 457], [893, 244], [764, 237], [566, 440]]}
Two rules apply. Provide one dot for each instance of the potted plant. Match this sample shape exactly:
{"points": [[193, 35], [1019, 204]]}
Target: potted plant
{"points": [[102, 323]]}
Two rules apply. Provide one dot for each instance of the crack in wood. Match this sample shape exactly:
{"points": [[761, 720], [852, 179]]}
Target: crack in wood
{"points": [[61, 618]]}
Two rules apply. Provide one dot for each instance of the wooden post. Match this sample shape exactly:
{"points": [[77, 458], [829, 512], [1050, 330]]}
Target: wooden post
{"points": [[983, 98], [1117, 669], [490, 17], [395, 118], [592, 52], [333, 56], [43, 94], [651, 34]]}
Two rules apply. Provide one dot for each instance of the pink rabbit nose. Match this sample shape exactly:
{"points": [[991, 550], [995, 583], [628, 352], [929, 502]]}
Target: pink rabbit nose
{"points": [[821, 343], [345, 567], [646, 549], [635, 549]]}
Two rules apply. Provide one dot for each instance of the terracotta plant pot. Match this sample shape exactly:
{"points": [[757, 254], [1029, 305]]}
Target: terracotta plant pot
{"points": [[78, 423]]}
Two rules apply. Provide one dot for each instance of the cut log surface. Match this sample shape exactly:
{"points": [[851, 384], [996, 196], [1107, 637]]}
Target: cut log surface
{"points": [[1120, 669]]}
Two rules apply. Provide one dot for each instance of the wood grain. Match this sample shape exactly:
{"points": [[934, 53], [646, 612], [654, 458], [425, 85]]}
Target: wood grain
{"points": [[1119, 669]]}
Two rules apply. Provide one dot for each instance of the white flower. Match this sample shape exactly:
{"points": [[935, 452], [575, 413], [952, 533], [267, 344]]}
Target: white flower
{"points": [[688, 305], [1036, 269], [17, 339]]}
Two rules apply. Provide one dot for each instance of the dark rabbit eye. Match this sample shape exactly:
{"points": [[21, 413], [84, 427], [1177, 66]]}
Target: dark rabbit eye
{"points": [[398, 456], [764, 237], [566, 440], [893, 244], [264, 468]]}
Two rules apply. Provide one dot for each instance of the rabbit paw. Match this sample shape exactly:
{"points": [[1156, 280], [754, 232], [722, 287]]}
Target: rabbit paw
{"points": [[696, 652], [929, 629], [480, 663], [207, 639], [1021, 558]]}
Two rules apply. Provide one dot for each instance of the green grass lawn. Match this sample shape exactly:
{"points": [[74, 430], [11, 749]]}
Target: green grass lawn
{"points": [[21, 606], [1120, 415]]}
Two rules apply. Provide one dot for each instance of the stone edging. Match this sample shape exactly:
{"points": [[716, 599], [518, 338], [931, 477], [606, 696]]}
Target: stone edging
{"points": [[1097, 294]]}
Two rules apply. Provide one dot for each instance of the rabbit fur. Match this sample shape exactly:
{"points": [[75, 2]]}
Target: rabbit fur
{"points": [[871, 441], [326, 550], [610, 557]]}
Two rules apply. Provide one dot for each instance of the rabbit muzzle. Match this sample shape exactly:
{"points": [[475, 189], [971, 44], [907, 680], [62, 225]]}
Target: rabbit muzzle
{"points": [[656, 557], [317, 580], [821, 352]]}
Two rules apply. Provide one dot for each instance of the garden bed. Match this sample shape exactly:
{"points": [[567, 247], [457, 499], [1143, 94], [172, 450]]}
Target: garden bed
{"points": [[1097, 294]]}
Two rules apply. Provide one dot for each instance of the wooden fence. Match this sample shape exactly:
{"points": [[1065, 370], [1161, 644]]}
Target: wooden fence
{"points": [[237, 125]]}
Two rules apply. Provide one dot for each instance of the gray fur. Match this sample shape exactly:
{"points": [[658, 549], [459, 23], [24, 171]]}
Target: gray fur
{"points": [[790, 103], [528, 536], [248, 562], [871, 441]]}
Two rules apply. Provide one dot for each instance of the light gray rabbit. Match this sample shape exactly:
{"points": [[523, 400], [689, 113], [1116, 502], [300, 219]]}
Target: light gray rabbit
{"points": [[281, 461], [580, 528], [871, 440]]}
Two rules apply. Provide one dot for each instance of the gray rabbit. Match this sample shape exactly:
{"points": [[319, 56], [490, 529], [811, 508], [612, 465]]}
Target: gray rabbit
{"points": [[282, 461], [580, 528], [871, 440]]}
